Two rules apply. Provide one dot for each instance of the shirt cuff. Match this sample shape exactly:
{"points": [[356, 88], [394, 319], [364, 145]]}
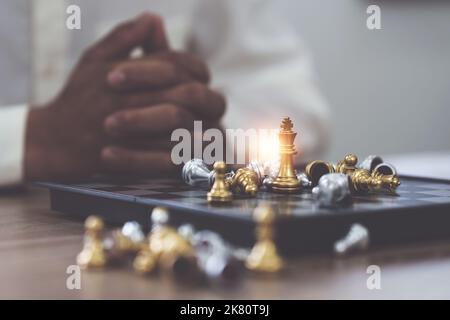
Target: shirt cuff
{"points": [[12, 140]]}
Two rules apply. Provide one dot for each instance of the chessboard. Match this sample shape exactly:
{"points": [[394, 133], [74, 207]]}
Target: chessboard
{"points": [[419, 211]]}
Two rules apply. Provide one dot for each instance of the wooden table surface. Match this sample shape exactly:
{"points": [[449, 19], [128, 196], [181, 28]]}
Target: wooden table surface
{"points": [[37, 246]]}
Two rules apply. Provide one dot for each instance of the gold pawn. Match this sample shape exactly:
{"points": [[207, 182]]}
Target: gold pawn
{"points": [[286, 180], [363, 181], [220, 192], [264, 256], [145, 261], [93, 254], [246, 181], [348, 165]]}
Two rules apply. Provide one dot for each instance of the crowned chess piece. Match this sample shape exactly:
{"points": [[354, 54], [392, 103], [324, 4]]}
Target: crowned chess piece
{"points": [[316, 169], [333, 189], [362, 181], [286, 180], [220, 192], [264, 256], [93, 254], [348, 165], [245, 181]]}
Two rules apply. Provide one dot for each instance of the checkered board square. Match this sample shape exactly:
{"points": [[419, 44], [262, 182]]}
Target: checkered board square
{"points": [[420, 209]]}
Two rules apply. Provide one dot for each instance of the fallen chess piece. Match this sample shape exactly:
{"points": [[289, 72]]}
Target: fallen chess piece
{"points": [[215, 257], [173, 252], [245, 181], [332, 190], [264, 256], [371, 162], [316, 169], [130, 239], [93, 254], [357, 239], [220, 192], [364, 181], [196, 173]]}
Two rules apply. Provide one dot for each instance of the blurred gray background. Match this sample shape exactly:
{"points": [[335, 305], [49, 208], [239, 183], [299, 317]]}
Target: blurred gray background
{"points": [[389, 89]]}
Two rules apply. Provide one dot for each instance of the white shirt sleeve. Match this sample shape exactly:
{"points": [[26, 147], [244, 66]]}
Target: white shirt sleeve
{"points": [[262, 67], [12, 140]]}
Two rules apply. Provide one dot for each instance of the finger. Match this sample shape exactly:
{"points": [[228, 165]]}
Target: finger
{"points": [[145, 30], [146, 74], [195, 97], [158, 119], [128, 161], [189, 62]]}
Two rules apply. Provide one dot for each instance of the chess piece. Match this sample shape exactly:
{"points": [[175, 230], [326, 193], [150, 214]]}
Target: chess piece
{"points": [[129, 239], [264, 256], [357, 239], [316, 169], [362, 182], [286, 180], [196, 173], [215, 257], [386, 169], [245, 181], [348, 165], [220, 192], [305, 182], [172, 250], [333, 189], [93, 254], [370, 162], [145, 261]]}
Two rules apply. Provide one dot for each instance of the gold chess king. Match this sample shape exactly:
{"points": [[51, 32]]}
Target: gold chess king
{"points": [[286, 180]]}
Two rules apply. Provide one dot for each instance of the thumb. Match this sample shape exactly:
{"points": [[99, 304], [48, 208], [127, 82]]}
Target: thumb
{"points": [[147, 31]]}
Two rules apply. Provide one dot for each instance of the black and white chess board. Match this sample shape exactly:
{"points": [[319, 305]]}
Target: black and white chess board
{"points": [[419, 211]]}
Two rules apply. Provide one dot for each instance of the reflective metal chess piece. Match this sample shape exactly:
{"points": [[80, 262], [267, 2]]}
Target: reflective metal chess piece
{"points": [[93, 254], [259, 169], [173, 252], [286, 180], [304, 180], [145, 261], [196, 173], [220, 192], [332, 190], [386, 169], [129, 239], [371, 162], [348, 165], [245, 181], [264, 255], [362, 181], [357, 239], [316, 169]]}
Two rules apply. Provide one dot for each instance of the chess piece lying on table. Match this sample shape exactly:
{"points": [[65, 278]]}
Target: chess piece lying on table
{"points": [[93, 254], [363, 181], [316, 169], [264, 256], [332, 190], [357, 239], [214, 256]]}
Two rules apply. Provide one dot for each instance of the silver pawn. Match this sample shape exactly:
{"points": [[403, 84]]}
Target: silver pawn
{"points": [[357, 239], [196, 173], [332, 189], [370, 162]]}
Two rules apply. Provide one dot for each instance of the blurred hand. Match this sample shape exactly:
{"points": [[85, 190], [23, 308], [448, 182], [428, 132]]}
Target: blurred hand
{"points": [[110, 98]]}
